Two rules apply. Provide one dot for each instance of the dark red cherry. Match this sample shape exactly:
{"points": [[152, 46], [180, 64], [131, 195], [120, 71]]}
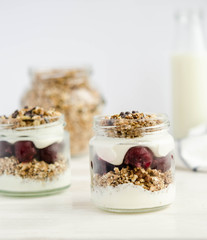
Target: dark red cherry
{"points": [[6, 149], [139, 157], [25, 151], [49, 154], [162, 163], [100, 166]]}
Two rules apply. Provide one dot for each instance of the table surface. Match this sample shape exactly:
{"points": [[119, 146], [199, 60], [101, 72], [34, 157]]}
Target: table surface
{"points": [[71, 215]]}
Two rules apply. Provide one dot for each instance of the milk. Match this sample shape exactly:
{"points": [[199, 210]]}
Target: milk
{"points": [[189, 75]]}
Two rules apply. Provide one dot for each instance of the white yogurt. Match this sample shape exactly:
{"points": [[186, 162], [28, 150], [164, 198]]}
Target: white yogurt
{"points": [[129, 196], [12, 183], [41, 136], [113, 150]]}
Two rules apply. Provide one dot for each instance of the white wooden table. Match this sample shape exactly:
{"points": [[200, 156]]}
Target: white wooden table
{"points": [[71, 215]]}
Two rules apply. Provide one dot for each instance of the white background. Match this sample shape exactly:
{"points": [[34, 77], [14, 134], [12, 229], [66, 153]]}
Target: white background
{"points": [[127, 42]]}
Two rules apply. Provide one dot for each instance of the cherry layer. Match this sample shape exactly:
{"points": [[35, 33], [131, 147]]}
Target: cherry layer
{"points": [[49, 154], [25, 151], [140, 157], [6, 149], [101, 167], [162, 163]]}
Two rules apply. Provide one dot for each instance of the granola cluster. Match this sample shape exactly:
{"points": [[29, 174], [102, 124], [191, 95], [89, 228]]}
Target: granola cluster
{"points": [[69, 92], [38, 170], [30, 117], [150, 179], [130, 124]]}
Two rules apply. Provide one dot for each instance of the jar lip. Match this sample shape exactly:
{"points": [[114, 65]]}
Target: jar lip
{"points": [[11, 126], [165, 124], [58, 71]]}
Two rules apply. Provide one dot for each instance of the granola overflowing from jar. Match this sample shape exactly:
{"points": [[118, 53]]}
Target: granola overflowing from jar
{"points": [[30, 116], [130, 124], [69, 92]]}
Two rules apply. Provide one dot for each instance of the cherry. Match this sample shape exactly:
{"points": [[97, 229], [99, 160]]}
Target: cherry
{"points": [[49, 154], [162, 163], [6, 149], [100, 166], [25, 151], [139, 157]]}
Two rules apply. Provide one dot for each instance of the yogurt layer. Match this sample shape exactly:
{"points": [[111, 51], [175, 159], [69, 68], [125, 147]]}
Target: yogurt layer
{"points": [[41, 136], [113, 150], [130, 196], [12, 183]]}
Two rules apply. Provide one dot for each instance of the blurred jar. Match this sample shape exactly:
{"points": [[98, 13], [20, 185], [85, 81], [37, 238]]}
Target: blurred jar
{"points": [[68, 90]]}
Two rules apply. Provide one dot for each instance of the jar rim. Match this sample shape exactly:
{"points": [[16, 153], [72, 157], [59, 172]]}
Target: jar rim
{"points": [[48, 72], [108, 124], [60, 119]]}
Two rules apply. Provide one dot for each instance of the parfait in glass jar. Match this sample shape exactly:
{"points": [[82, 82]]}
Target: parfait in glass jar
{"points": [[132, 162], [34, 153]]}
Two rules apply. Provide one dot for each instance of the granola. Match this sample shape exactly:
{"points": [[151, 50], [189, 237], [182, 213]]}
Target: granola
{"points": [[68, 91], [30, 116], [130, 124], [37, 170], [150, 179]]}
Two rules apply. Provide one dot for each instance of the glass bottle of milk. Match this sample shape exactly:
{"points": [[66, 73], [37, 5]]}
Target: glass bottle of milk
{"points": [[189, 74]]}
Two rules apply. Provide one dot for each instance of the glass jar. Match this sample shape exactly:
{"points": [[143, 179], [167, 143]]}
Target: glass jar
{"points": [[68, 90], [189, 73], [132, 162], [34, 160]]}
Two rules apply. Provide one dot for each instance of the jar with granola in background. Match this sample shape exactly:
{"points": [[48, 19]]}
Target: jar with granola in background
{"points": [[34, 153], [132, 162], [69, 91]]}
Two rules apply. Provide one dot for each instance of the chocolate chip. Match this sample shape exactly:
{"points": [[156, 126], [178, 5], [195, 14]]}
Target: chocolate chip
{"points": [[127, 113], [28, 113], [91, 165], [15, 114], [33, 109], [110, 122], [122, 114], [46, 120], [135, 112]]}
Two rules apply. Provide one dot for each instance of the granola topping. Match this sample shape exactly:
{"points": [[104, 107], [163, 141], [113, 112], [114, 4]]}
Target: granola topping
{"points": [[28, 116], [131, 124]]}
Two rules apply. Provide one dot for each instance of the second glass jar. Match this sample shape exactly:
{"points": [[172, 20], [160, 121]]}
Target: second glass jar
{"points": [[34, 160], [132, 162]]}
